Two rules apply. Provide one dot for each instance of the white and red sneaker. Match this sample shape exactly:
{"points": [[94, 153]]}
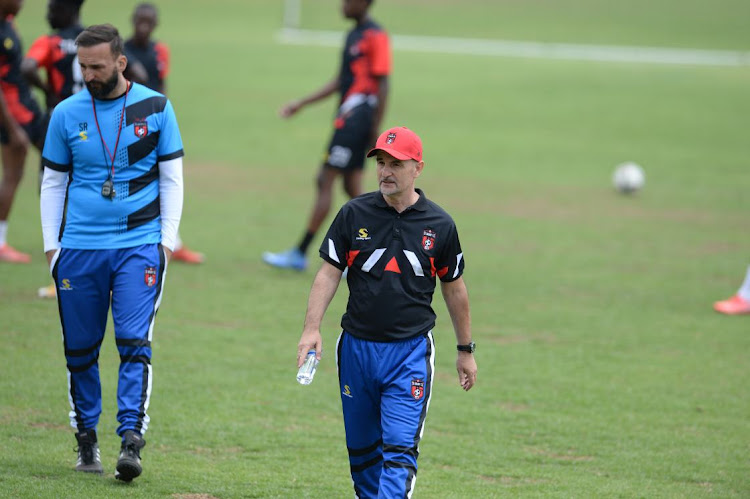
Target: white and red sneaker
{"points": [[188, 256], [12, 255], [735, 305]]}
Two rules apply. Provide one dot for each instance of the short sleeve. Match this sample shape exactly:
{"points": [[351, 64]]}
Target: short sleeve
{"points": [[335, 246], [56, 154], [379, 54], [162, 59], [170, 141], [450, 261], [41, 51]]}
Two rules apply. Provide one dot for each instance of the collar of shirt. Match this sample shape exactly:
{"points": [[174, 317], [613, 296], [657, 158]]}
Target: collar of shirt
{"points": [[420, 205]]}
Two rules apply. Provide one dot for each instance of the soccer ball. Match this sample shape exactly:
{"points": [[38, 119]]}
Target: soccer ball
{"points": [[628, 178]]}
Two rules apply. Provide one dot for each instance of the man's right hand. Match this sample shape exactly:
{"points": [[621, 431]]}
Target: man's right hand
{"points": [[310, 340], [290, 109], [49, 255]]}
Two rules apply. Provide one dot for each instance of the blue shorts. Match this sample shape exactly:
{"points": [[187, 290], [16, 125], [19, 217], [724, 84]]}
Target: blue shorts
{"points": [[132, 279], [385, 394]]}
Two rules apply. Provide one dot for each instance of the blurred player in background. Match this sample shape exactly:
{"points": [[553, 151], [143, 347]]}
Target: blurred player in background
{"points": [[20, 123], [396, 244], [148, 64], [56, 54], [362, 83], [739, 303]]}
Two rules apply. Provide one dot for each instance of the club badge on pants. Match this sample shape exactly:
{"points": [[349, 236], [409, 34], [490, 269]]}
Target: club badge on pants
{"points": [[150, 277], [417, 388]]}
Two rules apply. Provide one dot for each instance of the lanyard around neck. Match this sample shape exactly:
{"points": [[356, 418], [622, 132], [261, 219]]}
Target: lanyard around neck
{"points": [[105, 149]]}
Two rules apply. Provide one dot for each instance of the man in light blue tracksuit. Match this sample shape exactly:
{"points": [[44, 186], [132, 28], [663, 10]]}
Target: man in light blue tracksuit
{"points": [[111, 203]]}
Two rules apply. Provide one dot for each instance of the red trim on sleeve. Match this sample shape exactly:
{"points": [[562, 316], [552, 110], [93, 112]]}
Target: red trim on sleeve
{"points": [[41, 50], [12, 99], [350, 256], [378, 53], [162, 59]]}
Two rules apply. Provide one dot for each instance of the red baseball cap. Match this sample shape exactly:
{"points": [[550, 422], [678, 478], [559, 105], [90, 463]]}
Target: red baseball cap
{"points": [[399, 142]]}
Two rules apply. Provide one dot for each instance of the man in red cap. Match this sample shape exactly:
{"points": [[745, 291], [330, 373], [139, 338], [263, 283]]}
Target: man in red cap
{"points": [[394, 242]]}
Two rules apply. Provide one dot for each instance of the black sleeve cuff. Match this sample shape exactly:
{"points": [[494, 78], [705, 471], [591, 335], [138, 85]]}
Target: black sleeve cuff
{"points": [[451, 278], [55, 166], [338, 265], [174, 155]]}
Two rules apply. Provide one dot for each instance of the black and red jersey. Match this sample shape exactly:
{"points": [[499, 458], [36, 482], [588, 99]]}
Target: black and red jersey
{"points": [[57, 54], [394, 260], [14, 86], [367, 55], [155, 58]]}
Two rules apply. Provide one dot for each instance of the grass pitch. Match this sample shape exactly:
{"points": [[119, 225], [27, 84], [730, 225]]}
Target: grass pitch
{"points": [[603, 371]]}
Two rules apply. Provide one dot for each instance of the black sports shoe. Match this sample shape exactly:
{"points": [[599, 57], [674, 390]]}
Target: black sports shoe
{"points": [[88, 453], [129, 463]]}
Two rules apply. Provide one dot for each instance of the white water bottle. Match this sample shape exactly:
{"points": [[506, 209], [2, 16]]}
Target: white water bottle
{"points": [[307, 371]]}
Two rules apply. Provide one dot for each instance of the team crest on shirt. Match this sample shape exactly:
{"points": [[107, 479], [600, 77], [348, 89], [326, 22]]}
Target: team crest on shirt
{"points": [[140, 128], [417, 388], [390, 138], [150, 276], [428, 239]]}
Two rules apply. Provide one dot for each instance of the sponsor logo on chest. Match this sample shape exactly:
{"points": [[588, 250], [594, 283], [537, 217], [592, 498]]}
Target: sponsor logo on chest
{"points": [[363, 235]]}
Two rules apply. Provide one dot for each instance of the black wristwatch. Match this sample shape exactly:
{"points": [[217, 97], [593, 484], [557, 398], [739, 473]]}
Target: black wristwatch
{"points": [[467, 348]]}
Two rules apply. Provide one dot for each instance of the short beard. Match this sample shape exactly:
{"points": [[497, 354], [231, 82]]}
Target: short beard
{"points": [[101, 90]]}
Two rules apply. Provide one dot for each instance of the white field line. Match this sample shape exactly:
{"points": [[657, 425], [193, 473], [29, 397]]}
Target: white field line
{"points": [[508, 48]]}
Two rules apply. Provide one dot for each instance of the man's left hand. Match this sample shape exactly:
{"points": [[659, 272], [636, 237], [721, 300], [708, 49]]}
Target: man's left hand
{"points": [[467, 370]]}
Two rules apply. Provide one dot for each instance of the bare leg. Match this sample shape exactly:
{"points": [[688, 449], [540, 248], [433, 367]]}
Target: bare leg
{"points": [[13, 159], [353, 182], [322, 205]]}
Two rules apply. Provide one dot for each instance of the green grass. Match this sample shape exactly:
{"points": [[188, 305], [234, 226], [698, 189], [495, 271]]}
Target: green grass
{"points": [[603, 371]]}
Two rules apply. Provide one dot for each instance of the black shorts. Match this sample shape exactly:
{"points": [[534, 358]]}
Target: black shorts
{"points": [[35, 129], [351, 138]]}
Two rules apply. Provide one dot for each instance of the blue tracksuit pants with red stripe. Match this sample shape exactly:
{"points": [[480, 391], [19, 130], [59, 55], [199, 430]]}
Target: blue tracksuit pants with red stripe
{"points": [[132, 280], [385, 394]]}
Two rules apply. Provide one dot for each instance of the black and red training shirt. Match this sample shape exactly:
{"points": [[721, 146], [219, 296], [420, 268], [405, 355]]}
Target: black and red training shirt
{"points": [[393, 260]]}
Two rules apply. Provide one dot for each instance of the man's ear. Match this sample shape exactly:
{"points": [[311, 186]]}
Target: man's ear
{"points": [[419, 167], [121, 62]]}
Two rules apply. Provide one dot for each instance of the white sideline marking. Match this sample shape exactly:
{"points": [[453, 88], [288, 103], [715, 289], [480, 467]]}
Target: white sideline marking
{"points": [[536, 50]]}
